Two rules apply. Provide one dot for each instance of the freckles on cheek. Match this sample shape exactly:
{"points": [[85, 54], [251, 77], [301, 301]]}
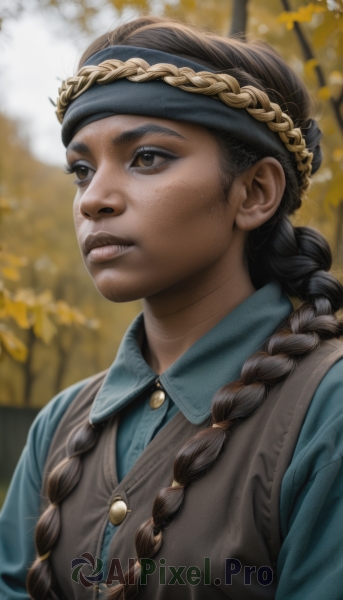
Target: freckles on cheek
{"points": [[186, 204]]}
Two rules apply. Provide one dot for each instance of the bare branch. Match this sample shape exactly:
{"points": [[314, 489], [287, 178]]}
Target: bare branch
{"points": [[308, 54]]}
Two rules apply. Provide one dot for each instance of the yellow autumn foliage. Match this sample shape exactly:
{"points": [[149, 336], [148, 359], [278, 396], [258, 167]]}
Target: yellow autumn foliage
{"points": [[11, 344], [324, 93], [28, 309], [337, 154], [303, 15], [39, 333]]}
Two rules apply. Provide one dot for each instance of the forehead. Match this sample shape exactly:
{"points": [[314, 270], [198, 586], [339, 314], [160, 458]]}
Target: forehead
{"points": [[119, 129]]}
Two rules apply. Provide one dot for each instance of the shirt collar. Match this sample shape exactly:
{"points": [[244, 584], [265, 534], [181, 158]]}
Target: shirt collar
{"points": [[214, 360]]}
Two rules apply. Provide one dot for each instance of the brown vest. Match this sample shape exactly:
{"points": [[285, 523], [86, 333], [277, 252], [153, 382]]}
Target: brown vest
{"points": [[230, 515]]}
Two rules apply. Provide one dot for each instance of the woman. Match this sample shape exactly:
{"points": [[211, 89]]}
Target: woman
{"points": [[190, 152]]}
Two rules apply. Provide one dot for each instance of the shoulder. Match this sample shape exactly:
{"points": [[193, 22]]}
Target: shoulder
{"points": [[323, 425], [47, 421], [22, 506], [311, 500], [317, 386], [320, 443]]}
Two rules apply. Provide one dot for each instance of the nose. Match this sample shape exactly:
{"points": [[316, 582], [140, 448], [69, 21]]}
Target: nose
{"points": [[102, 196]]}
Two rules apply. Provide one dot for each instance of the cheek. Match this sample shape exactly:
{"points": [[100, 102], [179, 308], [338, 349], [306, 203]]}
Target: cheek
{"points": [[186, 219], [76, 214], [179, 223]]}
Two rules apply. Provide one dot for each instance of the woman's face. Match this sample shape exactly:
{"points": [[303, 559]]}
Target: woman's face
{"points": [[149, 210]]}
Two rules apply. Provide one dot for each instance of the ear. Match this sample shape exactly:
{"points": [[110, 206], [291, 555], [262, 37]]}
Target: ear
{"points": [[258, 193]]}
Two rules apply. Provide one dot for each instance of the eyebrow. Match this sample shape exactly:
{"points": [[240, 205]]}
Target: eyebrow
{"points": [[78, 147], [133, 135]]}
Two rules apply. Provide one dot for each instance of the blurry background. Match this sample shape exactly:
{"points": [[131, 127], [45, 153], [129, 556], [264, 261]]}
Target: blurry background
{"points": [[54, 327]]}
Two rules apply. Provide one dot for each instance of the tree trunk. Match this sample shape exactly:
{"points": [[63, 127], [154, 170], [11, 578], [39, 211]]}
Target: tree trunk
{"points": [[65, 351], [339, 227], [239, 18], [29, 376], [61, 367]]}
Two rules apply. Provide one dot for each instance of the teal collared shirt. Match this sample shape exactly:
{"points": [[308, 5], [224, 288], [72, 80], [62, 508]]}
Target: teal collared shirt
{"points": [[189, 383], [311, 503], [216, 358]]}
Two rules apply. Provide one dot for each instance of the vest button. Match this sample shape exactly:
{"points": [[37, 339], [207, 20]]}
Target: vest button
{"points": [[118, 512], [156, 399]]}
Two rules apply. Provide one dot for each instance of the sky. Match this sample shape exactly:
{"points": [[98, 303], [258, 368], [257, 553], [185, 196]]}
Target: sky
{"points": [[35, 52]]}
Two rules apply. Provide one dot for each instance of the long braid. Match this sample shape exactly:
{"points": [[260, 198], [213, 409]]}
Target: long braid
{"points": [[312, 322], [298, 258], [61, 481]]}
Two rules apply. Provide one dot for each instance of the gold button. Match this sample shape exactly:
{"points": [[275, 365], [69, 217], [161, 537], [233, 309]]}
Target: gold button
{"points": [[157, 399], [118, 512]]}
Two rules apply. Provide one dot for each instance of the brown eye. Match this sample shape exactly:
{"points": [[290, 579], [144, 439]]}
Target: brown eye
{"points": [[146, 159], [82, 172]]}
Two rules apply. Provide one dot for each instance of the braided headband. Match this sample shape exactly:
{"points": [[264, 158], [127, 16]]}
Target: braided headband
{"points": [[110, 83]]}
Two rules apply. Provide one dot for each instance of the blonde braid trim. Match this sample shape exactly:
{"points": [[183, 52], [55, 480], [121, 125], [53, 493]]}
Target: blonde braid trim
{"points": [[176, 484], [218, 85]]}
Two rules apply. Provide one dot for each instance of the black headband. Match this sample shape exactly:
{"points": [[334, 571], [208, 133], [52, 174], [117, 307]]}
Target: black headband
{"points": [[158, 99]]}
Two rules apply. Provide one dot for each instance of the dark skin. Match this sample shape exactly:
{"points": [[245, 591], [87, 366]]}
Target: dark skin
{"points": [[178, 243]]}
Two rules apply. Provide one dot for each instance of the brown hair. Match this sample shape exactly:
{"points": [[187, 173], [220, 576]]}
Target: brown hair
{"points": [[297, 257]]}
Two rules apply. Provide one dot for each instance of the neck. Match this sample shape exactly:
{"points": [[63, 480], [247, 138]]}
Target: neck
{"points": [[176, 318]]}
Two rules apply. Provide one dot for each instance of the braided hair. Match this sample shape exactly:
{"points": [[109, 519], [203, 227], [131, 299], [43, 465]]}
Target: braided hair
{"points": [[299, 258], [61, 481]]}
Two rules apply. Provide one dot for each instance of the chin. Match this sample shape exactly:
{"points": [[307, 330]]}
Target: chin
{"points": [[123, 289], [120, 297], [119, 294]]}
